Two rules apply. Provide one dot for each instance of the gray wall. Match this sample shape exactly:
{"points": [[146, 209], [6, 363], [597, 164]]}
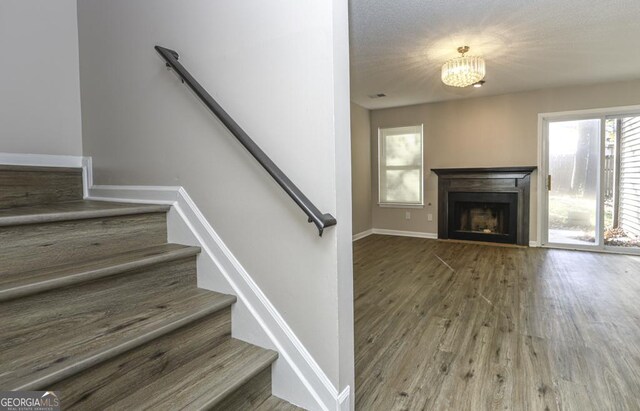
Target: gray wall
{"points": [[361, 168], [39, 82], [483, 132], [280, 68]]}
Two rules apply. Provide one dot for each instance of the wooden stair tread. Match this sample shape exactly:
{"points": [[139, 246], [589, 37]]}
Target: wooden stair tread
{"points": [[276, 404], [25, 283], [203, 382], [73, 210], [39, 169], [35, 360]]}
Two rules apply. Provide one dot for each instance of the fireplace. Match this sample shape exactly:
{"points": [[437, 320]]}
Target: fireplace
{"points": [[484, 204], [483, 216]]}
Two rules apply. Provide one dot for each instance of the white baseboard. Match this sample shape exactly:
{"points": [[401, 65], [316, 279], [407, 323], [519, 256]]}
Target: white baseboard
{"points": [[418, 234], [41, 160], [87, 175], [297, 377], [136, 194], [363, 234], [344, 399]]}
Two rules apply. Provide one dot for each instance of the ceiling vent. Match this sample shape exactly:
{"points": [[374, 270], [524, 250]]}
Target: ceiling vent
{"points": [[379, 95]]}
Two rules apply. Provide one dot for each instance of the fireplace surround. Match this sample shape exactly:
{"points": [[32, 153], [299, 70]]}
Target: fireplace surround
{"points": [[484, 204]]}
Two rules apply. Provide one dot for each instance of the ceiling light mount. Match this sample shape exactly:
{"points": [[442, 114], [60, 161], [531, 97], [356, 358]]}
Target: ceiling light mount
{"points": [[463, 71], [463, 49]]}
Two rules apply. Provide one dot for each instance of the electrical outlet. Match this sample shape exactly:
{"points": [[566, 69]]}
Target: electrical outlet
{"points": [[407, 215], [429, 217]]}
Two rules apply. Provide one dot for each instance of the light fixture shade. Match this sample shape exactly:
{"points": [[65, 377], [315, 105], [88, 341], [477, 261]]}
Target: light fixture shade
{"points": [[463, 71]]}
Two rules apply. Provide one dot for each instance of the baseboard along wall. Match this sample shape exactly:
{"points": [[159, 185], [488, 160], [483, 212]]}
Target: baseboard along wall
{"points": [[383, 231]]}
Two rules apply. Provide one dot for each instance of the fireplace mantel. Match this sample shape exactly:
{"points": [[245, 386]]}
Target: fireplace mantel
{"points": [[489, 172], [514, 180]]}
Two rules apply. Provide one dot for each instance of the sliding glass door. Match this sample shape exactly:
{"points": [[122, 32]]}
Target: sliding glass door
{"points": [[572, 183], [590, 178]]}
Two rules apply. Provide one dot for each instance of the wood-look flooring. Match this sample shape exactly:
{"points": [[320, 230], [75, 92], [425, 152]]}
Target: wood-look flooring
{"points": [[98, 306], [22, 185], [448, 326]]}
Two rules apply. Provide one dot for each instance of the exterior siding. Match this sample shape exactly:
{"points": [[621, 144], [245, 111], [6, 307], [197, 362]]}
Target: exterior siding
{"points": [[630, 176]]}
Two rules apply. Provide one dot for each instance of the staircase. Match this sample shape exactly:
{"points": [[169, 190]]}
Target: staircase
{"points": [[95, 304]]}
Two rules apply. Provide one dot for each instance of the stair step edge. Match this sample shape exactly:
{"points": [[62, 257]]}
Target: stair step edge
{"points": [[265, 359], [10, 291], [274, 403], [44, 217], [107, 353], [266, 362]]}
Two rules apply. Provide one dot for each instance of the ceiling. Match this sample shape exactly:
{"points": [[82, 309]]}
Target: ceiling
{"points": [[398, 46]]}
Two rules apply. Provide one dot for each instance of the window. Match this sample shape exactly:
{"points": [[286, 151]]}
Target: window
{"points": [[400, 166]]}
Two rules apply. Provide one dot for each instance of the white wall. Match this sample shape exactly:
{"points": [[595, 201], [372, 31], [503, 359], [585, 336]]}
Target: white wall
{"points": [[280, 68], [39, 80], [361, 168]]}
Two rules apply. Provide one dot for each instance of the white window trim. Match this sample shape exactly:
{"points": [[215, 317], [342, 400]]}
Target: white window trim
{"points": [[402, 205]]}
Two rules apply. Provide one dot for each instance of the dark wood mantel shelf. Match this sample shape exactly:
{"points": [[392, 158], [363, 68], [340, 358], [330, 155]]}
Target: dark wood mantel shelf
{"points": [[486, 171]]}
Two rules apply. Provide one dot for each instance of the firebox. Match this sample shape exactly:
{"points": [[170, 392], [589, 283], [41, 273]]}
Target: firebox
{"points": [[483, 216]]}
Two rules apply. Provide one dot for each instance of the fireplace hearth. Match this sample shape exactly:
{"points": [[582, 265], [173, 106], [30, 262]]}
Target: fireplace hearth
{"points": [[484, 204]]}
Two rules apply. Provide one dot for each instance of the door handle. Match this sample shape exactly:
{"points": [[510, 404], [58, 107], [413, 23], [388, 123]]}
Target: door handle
{"points": [[549, 182]]}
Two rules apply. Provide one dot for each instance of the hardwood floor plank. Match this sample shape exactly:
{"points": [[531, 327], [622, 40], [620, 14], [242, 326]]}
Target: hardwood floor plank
{"points": [[460, 326]]}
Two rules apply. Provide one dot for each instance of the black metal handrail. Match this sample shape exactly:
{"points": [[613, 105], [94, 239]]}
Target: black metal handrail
{"points": [[321, 220]]}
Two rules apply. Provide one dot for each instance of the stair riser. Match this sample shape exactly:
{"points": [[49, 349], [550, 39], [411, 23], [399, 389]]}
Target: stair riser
{"points": [[249, 395], [25, 187], [112, 297], [101, 386], [33, 246]]}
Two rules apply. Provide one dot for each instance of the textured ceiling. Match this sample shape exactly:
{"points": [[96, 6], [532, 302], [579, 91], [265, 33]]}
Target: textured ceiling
{"points": [[398, 46]]}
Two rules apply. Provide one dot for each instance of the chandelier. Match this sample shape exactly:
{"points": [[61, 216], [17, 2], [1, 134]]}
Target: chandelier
{"points": [[463, 71]]}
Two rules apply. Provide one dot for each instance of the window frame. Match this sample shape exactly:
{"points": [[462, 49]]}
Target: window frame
{"points": [[382, 168]]}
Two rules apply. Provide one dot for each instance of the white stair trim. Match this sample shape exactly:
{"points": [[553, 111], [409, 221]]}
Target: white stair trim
{"points": [[298, 362], [41, 160]]}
